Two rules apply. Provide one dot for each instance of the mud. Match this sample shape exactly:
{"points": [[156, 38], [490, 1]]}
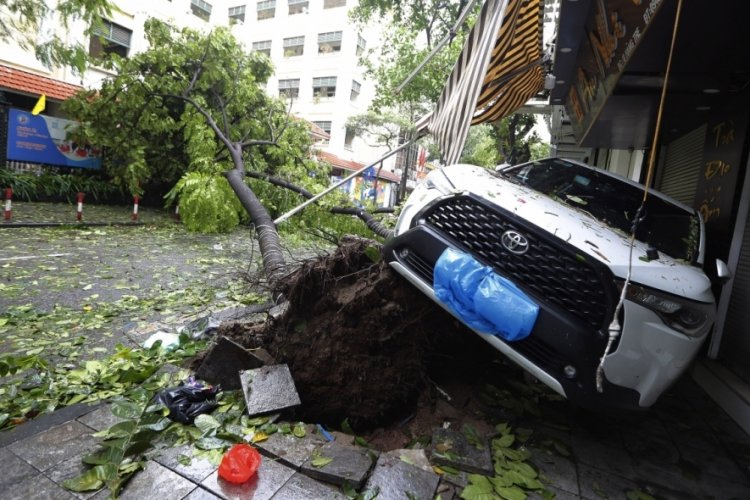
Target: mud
{"points": [[364, 345]]}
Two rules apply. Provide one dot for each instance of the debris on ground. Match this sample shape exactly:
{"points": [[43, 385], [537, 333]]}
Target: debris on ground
{"points": [[189, 400]]}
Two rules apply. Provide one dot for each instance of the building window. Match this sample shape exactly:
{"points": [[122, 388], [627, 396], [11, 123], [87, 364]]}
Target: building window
{"points": [[330, 4], [109, 38], [264, 46], [361, 45], [266, 10], [237, 14], [325, 126], [329, 42], [356, 88], [201, 9], [324, 87], [298, 6], [349, 138], [289, 88], [294, 46]]}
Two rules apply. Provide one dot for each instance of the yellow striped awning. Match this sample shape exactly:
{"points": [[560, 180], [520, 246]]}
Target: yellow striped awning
{"points": [[503, 51], [514, 74]]}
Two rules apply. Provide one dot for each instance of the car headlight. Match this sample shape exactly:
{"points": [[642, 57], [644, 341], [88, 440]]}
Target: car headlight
{"points": [[686, 316]]}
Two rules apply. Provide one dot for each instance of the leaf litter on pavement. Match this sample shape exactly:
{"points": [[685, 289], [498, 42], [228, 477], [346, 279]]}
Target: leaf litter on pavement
{"points": [[77, 302]]}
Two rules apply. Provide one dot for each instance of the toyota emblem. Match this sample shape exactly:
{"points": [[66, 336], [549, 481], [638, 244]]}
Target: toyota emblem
{"points": [[515, 242]]}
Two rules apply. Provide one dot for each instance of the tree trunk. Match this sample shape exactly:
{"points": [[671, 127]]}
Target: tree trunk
{"points": [[268, 236]]}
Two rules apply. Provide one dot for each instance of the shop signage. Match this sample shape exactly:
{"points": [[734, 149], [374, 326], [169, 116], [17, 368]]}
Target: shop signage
{"points": [[614, 29], [42, 139], [722, 153]]}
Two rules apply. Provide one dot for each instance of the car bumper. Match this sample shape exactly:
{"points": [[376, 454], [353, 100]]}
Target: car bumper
{"points": [[562, 351]]}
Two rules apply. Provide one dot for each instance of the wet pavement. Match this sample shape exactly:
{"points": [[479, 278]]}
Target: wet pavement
{"points": [[684, 448]]}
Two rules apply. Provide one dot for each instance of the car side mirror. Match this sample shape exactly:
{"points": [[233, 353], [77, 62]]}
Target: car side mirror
{"points": [[722, 271]]}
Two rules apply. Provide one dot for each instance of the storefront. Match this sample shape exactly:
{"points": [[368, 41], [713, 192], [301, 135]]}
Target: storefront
{"points": [[610, 62]]}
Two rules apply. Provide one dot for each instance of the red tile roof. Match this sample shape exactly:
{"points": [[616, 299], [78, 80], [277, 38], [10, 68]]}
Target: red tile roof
{"points": [[35, 85], [354, 166]]}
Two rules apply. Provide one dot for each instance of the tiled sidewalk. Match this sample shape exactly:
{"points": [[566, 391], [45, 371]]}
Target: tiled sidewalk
{"points": [[685, 448]]}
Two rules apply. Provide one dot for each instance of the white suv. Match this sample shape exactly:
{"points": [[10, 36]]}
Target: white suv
{"points": [[533, 258]]}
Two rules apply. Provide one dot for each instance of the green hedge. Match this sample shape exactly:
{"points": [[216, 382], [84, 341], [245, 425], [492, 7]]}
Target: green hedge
{"points": [[51, 186]]}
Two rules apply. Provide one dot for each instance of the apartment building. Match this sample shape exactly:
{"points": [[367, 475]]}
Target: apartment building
{"points": [[313, 46]]}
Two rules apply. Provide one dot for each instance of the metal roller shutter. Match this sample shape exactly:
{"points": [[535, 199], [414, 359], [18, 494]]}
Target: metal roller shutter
{"points": [[735, 346], [682, 166]]}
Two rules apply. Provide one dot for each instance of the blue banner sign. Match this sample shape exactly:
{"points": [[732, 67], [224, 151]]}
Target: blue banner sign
{"points": [[42, 139]]}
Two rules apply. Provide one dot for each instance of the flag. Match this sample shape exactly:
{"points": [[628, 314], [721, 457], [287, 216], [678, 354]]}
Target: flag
{"points": [[498, 70], [39, 106]]}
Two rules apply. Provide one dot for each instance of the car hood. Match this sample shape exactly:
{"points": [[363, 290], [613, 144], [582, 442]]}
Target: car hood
{"points": [[576, 227]]}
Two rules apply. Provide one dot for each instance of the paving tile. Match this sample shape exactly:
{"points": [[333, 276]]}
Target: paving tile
{"points": [[157, 482], [719, 465], [15, 470], [38, 488], [55, 445], [69, 469], [269, 388], [658, 448], [289, 449], [416, 457], [350, 464], [558, 494], [447, 491], [269, 479], [224, 362], [451, 448], [556, 471], [395, 478], [100, 419], [594, 450], [201, 494], [301, 487], [197, 470], [596, 484], [45, 422]]}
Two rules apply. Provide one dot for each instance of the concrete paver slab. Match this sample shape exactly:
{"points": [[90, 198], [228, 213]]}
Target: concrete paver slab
{"points": [[269, 479], [453, 449], [15, 470], [157, 482], [100, 419], [201, 494], [348, 464], [556, 470], [395, 478], [39, 488], [69, 469], [301, 487], [197, 468], [289, 449], [55, 445], [269, 388]]}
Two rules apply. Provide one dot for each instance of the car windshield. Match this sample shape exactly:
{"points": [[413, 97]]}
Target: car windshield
{"points": [[665, 226]]}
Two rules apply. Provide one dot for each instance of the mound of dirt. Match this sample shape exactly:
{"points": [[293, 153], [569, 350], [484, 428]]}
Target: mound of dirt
{"points": [[362, 343]]}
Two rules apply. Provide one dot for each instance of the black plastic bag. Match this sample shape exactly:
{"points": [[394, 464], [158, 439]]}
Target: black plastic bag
{"points": [[189, 400]]}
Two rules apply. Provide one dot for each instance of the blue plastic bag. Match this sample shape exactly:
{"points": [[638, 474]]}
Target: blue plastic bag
{"points": [[482, 299]]}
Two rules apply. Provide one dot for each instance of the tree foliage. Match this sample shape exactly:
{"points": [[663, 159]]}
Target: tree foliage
{"points": [[194, 104], [28, 23], [414, 27]]}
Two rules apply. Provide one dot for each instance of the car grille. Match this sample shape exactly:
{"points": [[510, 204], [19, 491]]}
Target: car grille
{"points": [[553, 270]]}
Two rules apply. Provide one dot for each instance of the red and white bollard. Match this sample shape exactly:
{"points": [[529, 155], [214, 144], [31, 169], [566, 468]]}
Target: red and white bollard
{"points": [[8, 203], [177, 212], [79, 212], [135, 207]]}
